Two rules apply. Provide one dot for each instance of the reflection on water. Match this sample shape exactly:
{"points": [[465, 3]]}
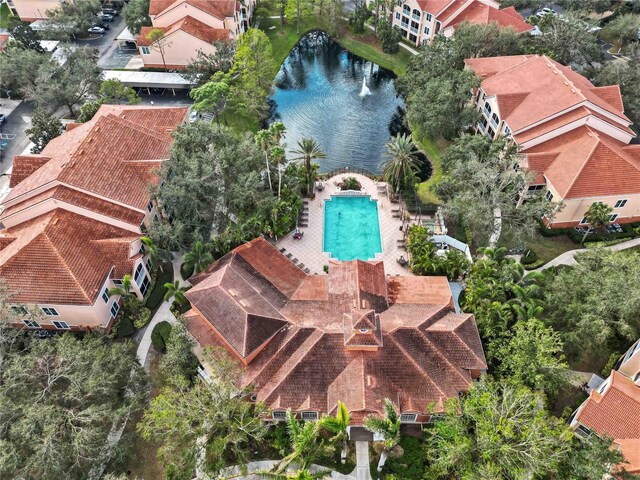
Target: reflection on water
{"points": [[320, 93]]}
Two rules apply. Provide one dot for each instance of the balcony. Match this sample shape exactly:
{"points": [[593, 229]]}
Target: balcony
{"points": [[404, 25], [415, 16], [480, 127], [487, 113], [494, 124], [414, 30]]}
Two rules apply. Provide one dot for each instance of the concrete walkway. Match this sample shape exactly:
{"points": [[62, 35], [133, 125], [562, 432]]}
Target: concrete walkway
{"points": [[568, 258], [362, 471]]}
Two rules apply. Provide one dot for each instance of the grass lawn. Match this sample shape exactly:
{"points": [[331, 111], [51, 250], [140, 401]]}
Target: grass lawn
{"points": [[365, 45], [433, 150], [5, 14], [549, 248]]}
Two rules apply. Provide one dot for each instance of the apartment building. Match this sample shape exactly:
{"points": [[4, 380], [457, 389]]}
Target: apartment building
{"points": [[71, 224], [191, 26], [573, 135], [421, 20]]}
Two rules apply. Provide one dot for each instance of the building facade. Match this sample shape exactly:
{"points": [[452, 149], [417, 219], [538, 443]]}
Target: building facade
{"points": [[71, 224], [189, 27], [421, 20], [573, 135], [32, 10], [356, 335]]}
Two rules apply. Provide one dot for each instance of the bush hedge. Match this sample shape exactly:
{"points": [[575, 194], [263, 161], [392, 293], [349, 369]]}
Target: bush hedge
{"points": [[532, 266], [160, 335], [125, 327], [628, 231], [529, 258], [156, 297], [411, 464], [186, 270]]}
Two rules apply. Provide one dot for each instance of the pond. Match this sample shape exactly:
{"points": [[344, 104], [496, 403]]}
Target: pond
{"points": [[347, 104]]}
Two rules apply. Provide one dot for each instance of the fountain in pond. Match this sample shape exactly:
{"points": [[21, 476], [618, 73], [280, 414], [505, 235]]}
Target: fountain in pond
{"points": [[365, 90]]}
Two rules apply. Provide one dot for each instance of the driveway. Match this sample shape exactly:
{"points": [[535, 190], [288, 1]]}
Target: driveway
{"points": [[105, 43], [14, 128]]}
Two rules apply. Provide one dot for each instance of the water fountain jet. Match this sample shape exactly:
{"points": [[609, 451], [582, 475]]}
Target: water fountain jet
{"points": [[365, 90]]}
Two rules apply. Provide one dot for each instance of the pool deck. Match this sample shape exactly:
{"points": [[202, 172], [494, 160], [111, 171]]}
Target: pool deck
{"points": [[308, 250]]}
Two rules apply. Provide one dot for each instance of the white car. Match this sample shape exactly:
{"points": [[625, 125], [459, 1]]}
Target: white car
{"points": [[545, 11], [96, 30], [193, 116]]}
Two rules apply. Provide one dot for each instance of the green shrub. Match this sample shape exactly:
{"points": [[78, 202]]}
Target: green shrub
{"points": [[156, 297], [606, 370], [411, 464], [124, 327], [529, 258], [532, 266], [186, 270], [140, 317], [159, 336]]}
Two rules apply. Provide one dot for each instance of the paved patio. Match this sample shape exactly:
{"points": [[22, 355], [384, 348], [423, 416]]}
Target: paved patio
{"points": [[308, 250]]}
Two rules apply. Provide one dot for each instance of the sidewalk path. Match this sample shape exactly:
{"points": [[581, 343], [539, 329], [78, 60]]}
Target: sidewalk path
{"points": [[253, 467], [568, 258]]}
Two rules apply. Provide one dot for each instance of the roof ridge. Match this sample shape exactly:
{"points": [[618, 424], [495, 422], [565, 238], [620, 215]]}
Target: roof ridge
{"points": [[138, 126]]}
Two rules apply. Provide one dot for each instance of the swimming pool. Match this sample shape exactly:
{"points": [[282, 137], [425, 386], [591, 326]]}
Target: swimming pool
{"points": [[351, 228]]}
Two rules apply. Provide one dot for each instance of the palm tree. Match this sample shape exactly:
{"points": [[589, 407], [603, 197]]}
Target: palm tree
{"points": [[387, 426], [123, 290], [278, 155], [597, 216], [176, 291], [263, 139], [199, 257], [308, 150], [277, 131], [158, 255], [338, 426], [306, 444], [403, 164]]}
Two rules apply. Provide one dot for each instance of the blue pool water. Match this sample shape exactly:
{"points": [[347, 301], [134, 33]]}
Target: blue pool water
{"points": [[351, 228]]}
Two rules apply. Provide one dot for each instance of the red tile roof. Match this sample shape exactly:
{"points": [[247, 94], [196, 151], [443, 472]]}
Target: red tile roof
{"points": [[189, 25], [305, 330], [477, 12], [62, 258], [216, 8], [530, 89], [4, 38], [587, 163]]}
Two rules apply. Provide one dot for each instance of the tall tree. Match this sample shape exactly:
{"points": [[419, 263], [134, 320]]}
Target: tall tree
{"points": [[389, 427], [59, 400], [306, 444], [202, 68], [158, 43], [44, 128], [159, 256], [19, 68], [338, 426], [205, 420], [115, 92], [483, 188], [179, 359], [264, 139], [71, 19], [175, 291], [625, 27], [402, 167], [70, 84], [597, 216], [498, 431], [282, 6], [298, 10], [254, 68], [307, 151], [24, 35], [214, 96], [136, 15], [587, 306]]}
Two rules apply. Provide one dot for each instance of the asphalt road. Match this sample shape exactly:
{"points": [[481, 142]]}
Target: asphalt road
{"points": [[16, 124]]}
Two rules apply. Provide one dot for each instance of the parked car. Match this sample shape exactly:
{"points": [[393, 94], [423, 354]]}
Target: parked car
{"points": [[106, 26], [545, 11], [193, 116], [111, 11], [105, 17], [96, 29], [42, 333], [2, 118]]}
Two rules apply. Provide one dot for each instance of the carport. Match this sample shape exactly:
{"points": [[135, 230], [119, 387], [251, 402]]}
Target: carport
{"points": [[150, 80], [125, 37]]}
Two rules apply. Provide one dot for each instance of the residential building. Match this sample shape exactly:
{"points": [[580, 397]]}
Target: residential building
{"points": [[572, 134], [191, 26], [72, 221], [421, 20], [629, 363], [32, 10], [355, 335], [613, 411]]}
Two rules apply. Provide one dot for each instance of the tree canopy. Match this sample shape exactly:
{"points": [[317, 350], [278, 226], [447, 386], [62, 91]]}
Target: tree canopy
{"points": [[136, 15], [44, 128], [59, 398]]}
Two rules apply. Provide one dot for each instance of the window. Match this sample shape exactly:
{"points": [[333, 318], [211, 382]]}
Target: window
{"points": [[399, 3], [61, 325], [636, 378], [105, 295], [138, 274], [583, 431], [406, 10], [549, 195], [116, 282], [612, 217], [141, 249], [490, 133], [620, 204], [487, 108], [426, 30], [535, 188], [495, 119], [115, 308], [309, 416], [18, 309], [397, 15], [145, 50], [150, 207], [279, 414], [149, 264], [583, 221], [408, 417], [49, 311], [31, 323], [145, 285], [429, 17], [507, 130]]}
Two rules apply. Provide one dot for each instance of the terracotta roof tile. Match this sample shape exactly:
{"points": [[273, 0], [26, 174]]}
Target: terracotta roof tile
{"points": [[477, 12], [25, 165], [53, 258], [188, 25], [423, 352], [216, 8]]}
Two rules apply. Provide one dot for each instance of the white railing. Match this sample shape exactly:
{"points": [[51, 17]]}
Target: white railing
{"points": [[360, 192]]}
